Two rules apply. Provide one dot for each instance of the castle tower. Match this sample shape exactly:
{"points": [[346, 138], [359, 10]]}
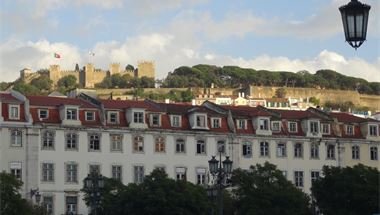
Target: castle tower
{"points": [[25, 73], [114, 68], [89, 76], [146, 68], [55, 73]]}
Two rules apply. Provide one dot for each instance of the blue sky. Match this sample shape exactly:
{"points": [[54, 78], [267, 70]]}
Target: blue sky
{"points": [[281, 35]]}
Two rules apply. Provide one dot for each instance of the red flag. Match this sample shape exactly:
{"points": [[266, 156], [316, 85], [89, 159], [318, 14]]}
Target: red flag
{"points": [[56, 55]]}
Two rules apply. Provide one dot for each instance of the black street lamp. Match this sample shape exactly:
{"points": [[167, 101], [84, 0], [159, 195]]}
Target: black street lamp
{"points": [[222, 171], [36, 194], [93, 183], [355, 21]]}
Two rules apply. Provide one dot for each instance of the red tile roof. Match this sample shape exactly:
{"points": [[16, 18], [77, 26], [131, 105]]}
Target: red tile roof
{"points": [[57, 101], [8, 98]]}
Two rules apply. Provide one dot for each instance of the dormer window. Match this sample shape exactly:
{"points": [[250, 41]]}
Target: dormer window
{"points": [[155, 120], [43, 114], [350, 130], [175, 120], [216, 123], [292, 127], [276, 126], [314, 128], [71, 114], [90, 116], [373, 130], [14, 112], [200, 121], [138, 117], [241, 124], [113, 117], [263, 123], [325, 128]]}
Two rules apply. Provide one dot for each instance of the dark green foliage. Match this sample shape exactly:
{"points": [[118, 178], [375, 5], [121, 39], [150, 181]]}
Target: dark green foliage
{"points": [[11, 202], [348, 191], [264, 190], [67, 82], [43, 83], [158, 194], [4, 85], [26, 89], [281, 92], [233, 76]]}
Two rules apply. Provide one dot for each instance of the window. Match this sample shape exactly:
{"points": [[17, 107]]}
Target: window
{"points": [[373, 130], [16, 170], [350, 130], [16, 137], [43, 114], [330, 151], [48, 140], [298, 178], [48, 204], [180, 173], [94, 142], [138, 117], [180, 146], [47, 172], [201, 176], [14, 112], [160, 144], [216, 123], [276, 126], [221, 146], [314, 127], [292, 127], [71, 204], [138, 144], [71, 141], [355, 152], [90, 116], [155, 120], [373, 153], [200, 121], [94, 168], [247, 149], [285, 173], [241, 124], [201, 147], [72, 173], [117, 172], [298, 150], [264, 149], [176, 121], [113, 117], [314, 175], [314, 151], [138, 174], [263, 124], [116, 142], [281, 150], [71, 114], [325, 128]]}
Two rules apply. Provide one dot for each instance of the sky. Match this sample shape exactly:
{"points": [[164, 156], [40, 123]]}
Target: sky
{"points": [[276, 35]]}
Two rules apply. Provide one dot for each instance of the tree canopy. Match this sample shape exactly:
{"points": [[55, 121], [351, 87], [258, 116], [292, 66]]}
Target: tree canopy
{"points": [[232, 76], [157, 194], [264, 190], [348, 191]]}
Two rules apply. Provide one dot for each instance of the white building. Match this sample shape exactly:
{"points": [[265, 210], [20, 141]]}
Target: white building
{"points": [[52, 143]]}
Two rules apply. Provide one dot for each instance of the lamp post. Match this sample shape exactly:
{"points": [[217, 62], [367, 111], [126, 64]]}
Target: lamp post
{"points": [[36, 194], [355, 21], [93, 184], [220, 170]]}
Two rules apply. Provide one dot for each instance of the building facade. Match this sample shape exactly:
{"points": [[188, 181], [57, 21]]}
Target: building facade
{"points": [[52, 143]]}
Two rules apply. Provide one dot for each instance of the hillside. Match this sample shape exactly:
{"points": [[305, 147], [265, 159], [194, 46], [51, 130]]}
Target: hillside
{"points": [[232, 77]]}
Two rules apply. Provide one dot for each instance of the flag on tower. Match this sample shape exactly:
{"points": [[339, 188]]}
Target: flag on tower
{"points": [[56, 55]]}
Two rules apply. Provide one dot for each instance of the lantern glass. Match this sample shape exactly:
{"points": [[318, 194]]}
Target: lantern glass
{"points": [[213, 165], [100, 182], [38, 197], [227, 165], [88, 182]]}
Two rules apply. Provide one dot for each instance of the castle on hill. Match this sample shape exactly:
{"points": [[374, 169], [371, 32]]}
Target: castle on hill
{"points": [[89, 75]]}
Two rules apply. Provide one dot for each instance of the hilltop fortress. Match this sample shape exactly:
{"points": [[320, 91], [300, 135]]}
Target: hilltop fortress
{"points": [[89, 75]]}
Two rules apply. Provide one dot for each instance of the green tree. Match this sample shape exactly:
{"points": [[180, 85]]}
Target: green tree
{"points": [[347, 191], [280, 92], [157, 194], [11, 202], [264, 190], [26, 89], [68, 82], [43, 83]]}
